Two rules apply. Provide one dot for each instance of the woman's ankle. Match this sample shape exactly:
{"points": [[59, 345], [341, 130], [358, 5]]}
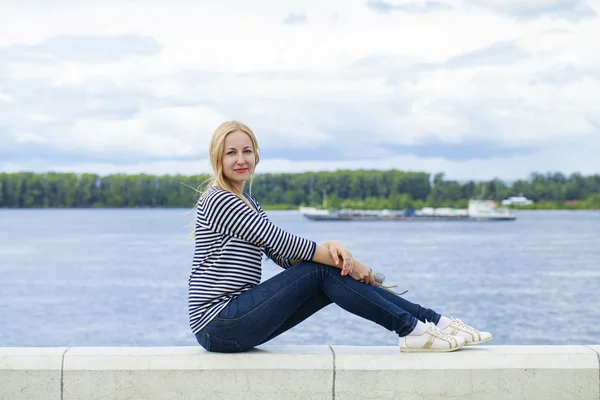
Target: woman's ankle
{"points": [[419, 328]]}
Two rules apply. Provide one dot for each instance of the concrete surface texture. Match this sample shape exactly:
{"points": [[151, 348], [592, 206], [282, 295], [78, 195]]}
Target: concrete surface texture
{"points": [[300, 372]]}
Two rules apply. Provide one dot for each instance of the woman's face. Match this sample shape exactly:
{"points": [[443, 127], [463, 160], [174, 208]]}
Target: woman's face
{"points": [[238, 158]]}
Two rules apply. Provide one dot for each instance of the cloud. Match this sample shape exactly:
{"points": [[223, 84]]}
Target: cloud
{"points": [[152, 134], [6, 98], [573, 10], [564, 74], [511, 167], [467, 89], [87, 49], [506, 52], [28, 137], [464, 151], [386, 7], [295, 19]]}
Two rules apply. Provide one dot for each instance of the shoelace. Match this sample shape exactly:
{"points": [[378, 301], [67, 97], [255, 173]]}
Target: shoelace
{"points": [[461, 324], [437, 332], [474, 332], [443, 334]]}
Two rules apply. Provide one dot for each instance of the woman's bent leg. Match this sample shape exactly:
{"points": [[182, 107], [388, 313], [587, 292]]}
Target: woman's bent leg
{"points": [[308, 308], [255, 315], [419, 312]]}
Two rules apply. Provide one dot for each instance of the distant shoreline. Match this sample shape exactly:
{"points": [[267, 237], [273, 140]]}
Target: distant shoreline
{"points": [[342, 189], [265, 207]]}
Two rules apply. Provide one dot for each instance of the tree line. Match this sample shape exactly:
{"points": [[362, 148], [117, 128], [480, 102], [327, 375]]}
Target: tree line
{"points": [[366, 189]]}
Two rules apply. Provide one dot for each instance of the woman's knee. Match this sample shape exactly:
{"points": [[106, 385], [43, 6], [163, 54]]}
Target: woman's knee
{"points": [[317, 266], [320, 269]]}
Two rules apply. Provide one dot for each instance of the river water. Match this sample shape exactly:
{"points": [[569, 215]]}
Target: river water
{"points": [[118, 277]]}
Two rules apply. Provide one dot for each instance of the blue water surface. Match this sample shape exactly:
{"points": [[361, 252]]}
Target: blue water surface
{"points": [[118, 277]]}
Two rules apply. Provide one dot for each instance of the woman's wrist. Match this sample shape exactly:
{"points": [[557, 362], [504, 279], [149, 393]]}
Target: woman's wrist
{"points": [[328, 243]]}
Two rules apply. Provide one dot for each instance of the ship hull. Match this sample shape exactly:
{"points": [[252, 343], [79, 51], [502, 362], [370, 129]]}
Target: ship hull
{"points": [[406, 218], [479, 210]]}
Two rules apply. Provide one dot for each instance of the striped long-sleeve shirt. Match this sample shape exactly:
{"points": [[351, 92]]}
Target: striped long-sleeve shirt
{"points": [[230, 241]]}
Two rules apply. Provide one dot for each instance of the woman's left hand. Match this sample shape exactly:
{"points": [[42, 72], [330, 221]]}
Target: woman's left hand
{"points": [[337, 250]]}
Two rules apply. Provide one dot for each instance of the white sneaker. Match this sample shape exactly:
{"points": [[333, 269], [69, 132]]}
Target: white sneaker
{"points": [[433, 339], [471, 335]]}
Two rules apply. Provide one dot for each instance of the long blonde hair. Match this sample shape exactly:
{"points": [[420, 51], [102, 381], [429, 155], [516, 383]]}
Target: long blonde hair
{"points": [[215, 153]]}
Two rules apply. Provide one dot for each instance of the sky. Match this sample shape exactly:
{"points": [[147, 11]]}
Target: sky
{"points": [[474, 89]]}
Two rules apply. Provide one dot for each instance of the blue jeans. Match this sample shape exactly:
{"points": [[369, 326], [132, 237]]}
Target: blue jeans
{"points": [[280, 303]]}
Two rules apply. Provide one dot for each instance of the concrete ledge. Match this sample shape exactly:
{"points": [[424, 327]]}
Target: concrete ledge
{"points": [[480, 372], [31, 373], [191, 372], [302, 372]]}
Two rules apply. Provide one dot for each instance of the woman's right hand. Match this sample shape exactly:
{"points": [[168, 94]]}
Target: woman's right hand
{"points": [[362, 273], [338, 250]]}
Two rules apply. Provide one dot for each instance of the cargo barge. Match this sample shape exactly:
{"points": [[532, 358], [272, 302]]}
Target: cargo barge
{"points": [[479, 210]]}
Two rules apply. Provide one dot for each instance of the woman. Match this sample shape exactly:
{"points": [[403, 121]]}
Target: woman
{"points": [[231, 311]]}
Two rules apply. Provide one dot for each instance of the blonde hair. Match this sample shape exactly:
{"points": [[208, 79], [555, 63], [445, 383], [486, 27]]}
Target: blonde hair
{"points": [[216, 150], [215, 153]]}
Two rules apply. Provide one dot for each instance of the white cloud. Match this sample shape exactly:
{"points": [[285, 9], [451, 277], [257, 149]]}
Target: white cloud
{"points": [[571, 158], [6, 98], [348, 78], [28, 137], [164, 132], [40, 118]]}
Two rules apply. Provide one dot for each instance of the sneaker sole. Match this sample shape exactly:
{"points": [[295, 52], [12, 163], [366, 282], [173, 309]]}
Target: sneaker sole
{"points": [[480, 342], [421, 350]]}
